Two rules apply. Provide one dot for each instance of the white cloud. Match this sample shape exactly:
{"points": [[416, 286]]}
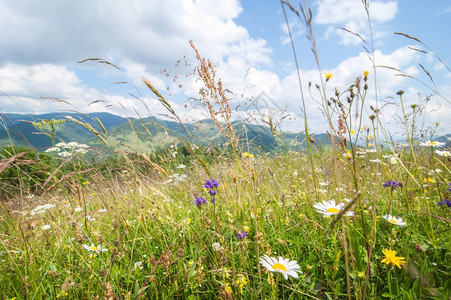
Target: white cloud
{"points": [[142, 37], [155, 33], [285, 91], [351, 14]]}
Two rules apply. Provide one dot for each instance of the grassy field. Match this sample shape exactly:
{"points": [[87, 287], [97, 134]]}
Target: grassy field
{"points": [[158, 235], [362, 218]]}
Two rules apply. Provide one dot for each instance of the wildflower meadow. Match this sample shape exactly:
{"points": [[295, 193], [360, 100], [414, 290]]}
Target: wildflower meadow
{"points": [[365, 216]]}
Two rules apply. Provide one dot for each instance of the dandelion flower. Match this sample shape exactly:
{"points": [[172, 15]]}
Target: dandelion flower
{"points": [[329, 208], [328, 75], [392, 259], [96, 249], [365, 74], [394, 220], [281, 265]]}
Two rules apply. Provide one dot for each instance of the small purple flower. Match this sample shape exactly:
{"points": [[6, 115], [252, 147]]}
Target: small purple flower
{"points": [[213, 200], [208, 184], [444, 201], [241, 234], [212, 192], [199, 201], [449, 189], [214, 182], [392, 183]]}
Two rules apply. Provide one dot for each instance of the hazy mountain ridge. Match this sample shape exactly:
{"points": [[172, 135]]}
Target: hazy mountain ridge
{"points": [[146, 134]]}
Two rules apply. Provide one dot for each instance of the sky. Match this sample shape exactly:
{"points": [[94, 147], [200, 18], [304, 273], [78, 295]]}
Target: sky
{"points": [[42, 43]]}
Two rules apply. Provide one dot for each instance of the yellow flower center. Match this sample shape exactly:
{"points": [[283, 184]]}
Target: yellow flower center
{"points": [[332, 210], [279, 267], [94, 248], [393, 221]]}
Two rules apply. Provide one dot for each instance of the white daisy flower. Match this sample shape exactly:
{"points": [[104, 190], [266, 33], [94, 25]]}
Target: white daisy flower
{"points": [[443, 153], [281, 265], [394, 220], [432, 144], [96, 249], [329, 208], [393, 160], [45, 227]]}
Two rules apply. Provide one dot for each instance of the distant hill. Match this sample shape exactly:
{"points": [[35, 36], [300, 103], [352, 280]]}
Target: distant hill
{"points": [[16, 129], [145, 134]]}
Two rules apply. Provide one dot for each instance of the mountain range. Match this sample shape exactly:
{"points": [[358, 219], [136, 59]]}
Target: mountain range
{"points": [[104, 130]]}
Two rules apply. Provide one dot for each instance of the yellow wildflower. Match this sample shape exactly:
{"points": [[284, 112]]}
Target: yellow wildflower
{"points": [[429, 180], [241, 281], [229, 290], [347, 154], [365, 74], [392, 259], [328, 75]]}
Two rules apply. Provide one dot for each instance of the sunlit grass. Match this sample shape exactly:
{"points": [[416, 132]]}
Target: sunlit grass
{"points": [[145, 236], [363, 218]]}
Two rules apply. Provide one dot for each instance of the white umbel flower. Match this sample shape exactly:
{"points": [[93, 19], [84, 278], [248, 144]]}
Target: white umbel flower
{"points": [[281, 265], [329, 208], [394, 220]]}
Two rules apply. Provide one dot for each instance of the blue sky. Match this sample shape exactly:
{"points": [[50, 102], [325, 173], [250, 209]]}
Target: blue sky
{"points": [[42, 42]]}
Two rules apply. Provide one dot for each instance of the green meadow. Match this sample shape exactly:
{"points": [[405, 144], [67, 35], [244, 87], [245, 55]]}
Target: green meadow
{"points": [[363, 216]]}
